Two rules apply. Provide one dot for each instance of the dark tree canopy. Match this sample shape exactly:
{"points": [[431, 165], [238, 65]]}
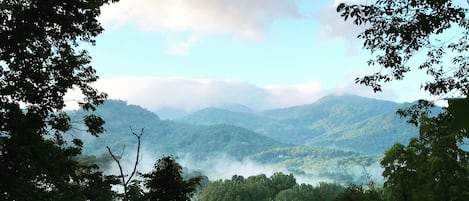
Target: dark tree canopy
{"points": [[399, 30], [278, 187], [165, 182], [437, 165], [40, 60]]}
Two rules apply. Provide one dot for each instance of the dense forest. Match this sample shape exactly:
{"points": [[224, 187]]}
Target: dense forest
{"points": [[226, 143], [47, 153]]}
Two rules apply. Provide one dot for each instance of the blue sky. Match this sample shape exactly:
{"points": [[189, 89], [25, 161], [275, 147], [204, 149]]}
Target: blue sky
{"points": [[288, 49], [261, 53]]}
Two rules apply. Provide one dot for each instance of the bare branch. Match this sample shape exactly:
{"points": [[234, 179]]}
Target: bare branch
{"points": [[125, 182], [137, 160], [120, 169]]}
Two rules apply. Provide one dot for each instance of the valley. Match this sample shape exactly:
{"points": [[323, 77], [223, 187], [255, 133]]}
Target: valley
{"points": [[337, 138]]}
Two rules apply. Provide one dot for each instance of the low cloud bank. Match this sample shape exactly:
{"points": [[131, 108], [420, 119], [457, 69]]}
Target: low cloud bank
{"points": [[222, 166], [186, 94], [215, 166]]}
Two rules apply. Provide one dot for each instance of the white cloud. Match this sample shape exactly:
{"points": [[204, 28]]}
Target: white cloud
{"points": [[242, 18], [182, 93], [192, 94], [333, 25], [283, 96], [214, 166], [185, 94], [222, 166], [365, 91], [181, 46]]}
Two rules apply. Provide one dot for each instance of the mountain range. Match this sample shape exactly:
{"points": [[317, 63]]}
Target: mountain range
{"points": [[346, 122], [336, 131]]}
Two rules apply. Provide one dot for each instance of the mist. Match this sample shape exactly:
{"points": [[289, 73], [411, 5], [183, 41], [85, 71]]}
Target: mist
{"points": [[220, 166]]}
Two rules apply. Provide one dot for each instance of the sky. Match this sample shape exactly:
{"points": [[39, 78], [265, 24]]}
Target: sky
{"points": [[191, 54]]}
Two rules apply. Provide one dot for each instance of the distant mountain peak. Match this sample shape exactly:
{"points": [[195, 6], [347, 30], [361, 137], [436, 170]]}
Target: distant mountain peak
{"points": [[345, 96], [121, 107], [236, 108]]}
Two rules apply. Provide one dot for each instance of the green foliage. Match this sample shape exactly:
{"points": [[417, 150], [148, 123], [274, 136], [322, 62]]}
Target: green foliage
{"points": [[39, 67], [135, 192], [437, 165], [103, 161], [432, 166], [361, 193], [280, 181], [255, 188], [172, 138], [204, 141], [40, 60], [165, 182], [366, 137], [400, 165], [347, 122], [35, 161], [301, 192], [279, 187], [338, 165], [212, 116], [304, 192]]}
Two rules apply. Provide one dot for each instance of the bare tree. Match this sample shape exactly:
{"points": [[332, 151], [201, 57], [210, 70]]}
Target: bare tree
{"points": [[126, 179]]}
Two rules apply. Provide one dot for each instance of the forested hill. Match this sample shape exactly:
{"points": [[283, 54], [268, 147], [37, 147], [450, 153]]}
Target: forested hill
{"points": [[168, 137], [347, 122], [322, 139]]}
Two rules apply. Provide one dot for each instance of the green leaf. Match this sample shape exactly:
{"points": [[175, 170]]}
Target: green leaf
{"points": [[95, 124]]}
